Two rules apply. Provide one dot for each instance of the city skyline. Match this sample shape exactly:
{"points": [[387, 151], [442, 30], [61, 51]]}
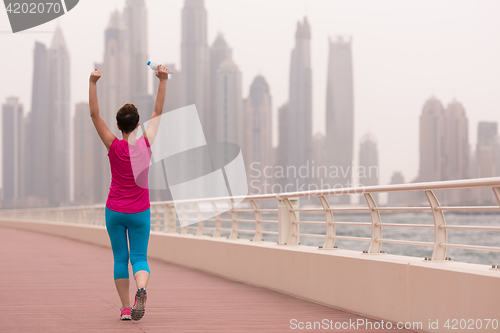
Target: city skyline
{"points": [[276, 88]]}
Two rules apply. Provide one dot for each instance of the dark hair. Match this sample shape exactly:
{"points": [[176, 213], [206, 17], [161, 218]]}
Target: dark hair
{"points": [[127, 118]]}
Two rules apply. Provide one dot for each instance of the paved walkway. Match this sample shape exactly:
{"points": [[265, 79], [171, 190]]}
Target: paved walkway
{"points": [[53, 284]]}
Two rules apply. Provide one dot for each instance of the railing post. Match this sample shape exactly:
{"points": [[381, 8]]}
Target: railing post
{"points": [[218, 222], [157, 219], [375, 244], [258, 222], [330, 226], [199, 231], [234, 224], [496, 191], [287, 218], [440, 234], [168, 218], [184, 229]]}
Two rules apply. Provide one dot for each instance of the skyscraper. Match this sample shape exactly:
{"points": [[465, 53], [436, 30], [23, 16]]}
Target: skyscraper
{"points": [[12, 151], [368, 164], [444, 147], [487, 159], [59, 111], [116, 82], [397, 198], [297, 148], [229, 108], [219, 52], [40, 123], [195, 57], [340, 113], [85, 142], [257, 133], [135, 17], [432, 141], [281, 150], [457, 150]]}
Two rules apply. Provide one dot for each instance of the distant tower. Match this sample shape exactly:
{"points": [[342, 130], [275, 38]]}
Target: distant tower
{"points": [[281, 151], [84, 146], [37, 150], [12, 151], [368, 164], [456, 159], [456, 150], [116, 82], [219, 52], [299, 115], [432, 141], [487, 156], [257, 132], [195, 57], [229, 118], [59, 109], [340, 113], [397, 198], [135, 17]]}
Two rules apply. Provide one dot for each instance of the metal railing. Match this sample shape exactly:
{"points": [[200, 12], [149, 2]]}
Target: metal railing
{"points": [[165, 215]]}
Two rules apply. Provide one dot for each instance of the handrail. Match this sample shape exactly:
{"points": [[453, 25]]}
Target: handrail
{"points": [[221, 212]]}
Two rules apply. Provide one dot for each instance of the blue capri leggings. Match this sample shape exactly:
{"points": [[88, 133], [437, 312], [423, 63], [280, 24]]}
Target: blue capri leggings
{"points": [[138, 226]]}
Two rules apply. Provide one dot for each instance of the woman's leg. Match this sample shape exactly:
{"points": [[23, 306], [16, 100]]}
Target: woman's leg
{"points": [[122, 286], [118, 236], [138, 234], [141, 279]]}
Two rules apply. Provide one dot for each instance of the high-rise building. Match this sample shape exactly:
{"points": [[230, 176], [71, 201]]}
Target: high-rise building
{"points": [[397, 198], [432, 141], [487, 156], [281, 150], [229, 108], [84, 145], [116, 82], [257, 134], [135, 17], [40, 124], [456, 151], [219, 52], [59, 115], [297, 148], [12, 151], [444, 147], [456, 145], [368, 171], [340, 113], [195, 57]]}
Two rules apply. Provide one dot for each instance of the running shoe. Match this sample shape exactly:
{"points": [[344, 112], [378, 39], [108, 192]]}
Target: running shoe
{"points": [[139, 305], [125, 313]]}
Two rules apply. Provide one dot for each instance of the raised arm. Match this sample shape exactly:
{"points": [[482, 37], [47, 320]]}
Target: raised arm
{"points": [[154, 122], [104, 133]]}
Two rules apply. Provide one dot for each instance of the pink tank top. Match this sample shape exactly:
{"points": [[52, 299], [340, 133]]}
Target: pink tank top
{"points": [[129, 192]]}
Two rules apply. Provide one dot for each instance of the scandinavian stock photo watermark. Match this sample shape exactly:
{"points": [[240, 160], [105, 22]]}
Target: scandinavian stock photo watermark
{"points": [[281, 179]]}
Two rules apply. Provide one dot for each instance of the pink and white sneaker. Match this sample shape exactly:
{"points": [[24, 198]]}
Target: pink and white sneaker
{"points": [[125, 313], [139, 305]]}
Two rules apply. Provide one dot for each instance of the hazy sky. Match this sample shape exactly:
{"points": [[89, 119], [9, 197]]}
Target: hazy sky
{"points": [[403, 52]]}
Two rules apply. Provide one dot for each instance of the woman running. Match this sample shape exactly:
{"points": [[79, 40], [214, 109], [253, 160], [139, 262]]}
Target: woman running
{"points": [[127, 206]]}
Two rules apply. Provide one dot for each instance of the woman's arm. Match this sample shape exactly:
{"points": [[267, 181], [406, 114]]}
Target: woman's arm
{"points": [[104, 133], [154, 122]]}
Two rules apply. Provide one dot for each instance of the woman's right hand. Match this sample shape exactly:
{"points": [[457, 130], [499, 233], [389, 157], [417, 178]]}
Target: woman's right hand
{"points": [[95, 76], [162, 73]]}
